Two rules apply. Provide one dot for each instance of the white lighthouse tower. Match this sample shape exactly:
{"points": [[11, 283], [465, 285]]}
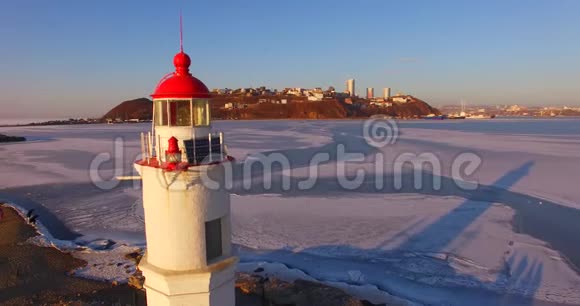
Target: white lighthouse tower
{"points": [[189, 258]]}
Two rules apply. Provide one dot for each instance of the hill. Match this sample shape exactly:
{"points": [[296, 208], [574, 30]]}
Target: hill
{"points": [[282, 107], [291, 107], [270, 110], [141, 109], [413, 108]]}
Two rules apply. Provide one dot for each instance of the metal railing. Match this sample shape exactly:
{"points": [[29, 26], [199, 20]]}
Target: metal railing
{"points": [[194, 151]]}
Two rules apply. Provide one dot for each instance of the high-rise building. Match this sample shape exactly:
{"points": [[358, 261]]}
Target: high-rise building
{"points": [[350, 87], [386, 92], [370, 93]]}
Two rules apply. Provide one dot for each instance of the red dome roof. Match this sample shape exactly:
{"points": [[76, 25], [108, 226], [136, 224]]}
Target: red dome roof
{"points": [[181, 84]]}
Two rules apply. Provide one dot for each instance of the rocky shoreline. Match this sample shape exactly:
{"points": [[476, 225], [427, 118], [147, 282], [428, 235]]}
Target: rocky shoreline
{"points": [[36, 275]]}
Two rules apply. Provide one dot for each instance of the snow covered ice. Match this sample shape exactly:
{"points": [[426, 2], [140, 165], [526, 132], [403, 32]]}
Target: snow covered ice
{"points": [[511, 241]]}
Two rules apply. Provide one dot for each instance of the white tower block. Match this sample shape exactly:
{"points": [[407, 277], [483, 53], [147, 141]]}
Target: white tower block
{"points": [[187, 225]]}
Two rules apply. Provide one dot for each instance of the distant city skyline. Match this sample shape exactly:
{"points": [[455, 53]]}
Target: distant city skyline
{"points": [[61, 59]]}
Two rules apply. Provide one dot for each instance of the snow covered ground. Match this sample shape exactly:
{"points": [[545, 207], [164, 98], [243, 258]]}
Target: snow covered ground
{"points": [[511, 241]]}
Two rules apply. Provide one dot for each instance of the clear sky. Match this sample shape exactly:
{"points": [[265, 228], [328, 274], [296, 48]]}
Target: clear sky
{"points": [[80, 58]]}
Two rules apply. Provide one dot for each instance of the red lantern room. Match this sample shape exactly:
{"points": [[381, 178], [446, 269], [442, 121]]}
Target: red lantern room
{"points": [[180, 98], [181, 121]]}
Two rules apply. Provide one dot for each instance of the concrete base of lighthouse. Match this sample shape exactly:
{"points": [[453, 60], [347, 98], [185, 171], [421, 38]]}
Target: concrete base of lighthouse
{"points": [[183, 218], [211, 286]]}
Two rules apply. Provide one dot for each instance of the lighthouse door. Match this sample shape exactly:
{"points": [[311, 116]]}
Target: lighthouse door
{"points": [[213, 239]]}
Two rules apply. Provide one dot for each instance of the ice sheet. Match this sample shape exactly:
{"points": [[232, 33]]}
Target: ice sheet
{"points": [[510, 242]]}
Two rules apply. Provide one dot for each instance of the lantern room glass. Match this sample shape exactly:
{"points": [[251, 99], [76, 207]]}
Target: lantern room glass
{"points": [[182, 112], [200, 112], [160, 112]]}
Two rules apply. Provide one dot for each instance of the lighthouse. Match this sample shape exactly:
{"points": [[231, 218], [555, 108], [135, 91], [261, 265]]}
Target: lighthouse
{"points": [[187, 224]]}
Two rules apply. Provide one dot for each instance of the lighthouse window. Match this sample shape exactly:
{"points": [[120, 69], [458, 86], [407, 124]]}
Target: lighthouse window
{"points": [[161, 112], [182, 112], [200, 112], [213, 239], [179, 112]]}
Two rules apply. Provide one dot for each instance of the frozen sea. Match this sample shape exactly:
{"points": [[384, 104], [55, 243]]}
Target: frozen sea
{"points": [[502, 234]]}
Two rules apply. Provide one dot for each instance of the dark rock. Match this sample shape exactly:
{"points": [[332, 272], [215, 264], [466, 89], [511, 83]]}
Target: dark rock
{"points": [[4, 138], [137, 280], [135, 256]]}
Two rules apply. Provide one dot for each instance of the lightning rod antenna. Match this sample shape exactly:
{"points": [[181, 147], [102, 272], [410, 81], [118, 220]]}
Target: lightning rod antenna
{"points": [[180, 32]]}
